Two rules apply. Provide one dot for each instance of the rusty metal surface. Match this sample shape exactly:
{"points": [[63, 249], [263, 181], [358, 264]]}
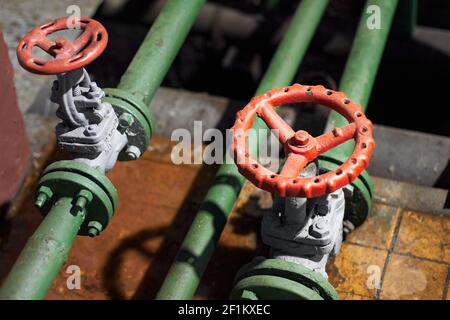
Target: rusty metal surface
{"points": [[15, 157]]}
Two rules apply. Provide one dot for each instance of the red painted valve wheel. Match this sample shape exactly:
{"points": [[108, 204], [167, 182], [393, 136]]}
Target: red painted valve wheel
{"points": [[300, 147], [68, 55]]}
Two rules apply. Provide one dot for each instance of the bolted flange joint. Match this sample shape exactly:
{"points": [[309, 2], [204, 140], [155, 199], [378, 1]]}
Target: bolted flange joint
{"points": [[92, 192], [135, 120], [263, 279]]}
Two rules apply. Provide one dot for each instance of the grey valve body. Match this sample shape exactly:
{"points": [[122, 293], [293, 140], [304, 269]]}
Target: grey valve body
{"points": [[305, 231], [89, 129]]}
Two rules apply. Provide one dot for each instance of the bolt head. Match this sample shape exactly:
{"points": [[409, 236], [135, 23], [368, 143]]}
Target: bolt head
{"points": [[301, 138], [133, 152], [90, 130], [94, 228], [318, 229], [41, 199], [320, 225], [43, 195], [125, 120]]}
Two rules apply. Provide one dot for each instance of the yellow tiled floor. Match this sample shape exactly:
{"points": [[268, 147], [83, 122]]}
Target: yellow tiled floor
{"points": [[424, 236], [350, 271], [412, 278], [409, 251], [379, 228]]}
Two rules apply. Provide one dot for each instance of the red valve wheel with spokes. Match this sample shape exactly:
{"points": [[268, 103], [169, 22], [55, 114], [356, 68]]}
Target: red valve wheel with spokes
{"points": [[300, 147], [67, 55]]}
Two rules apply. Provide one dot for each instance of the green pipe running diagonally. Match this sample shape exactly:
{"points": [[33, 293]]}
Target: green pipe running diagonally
{"points": [[68, 208], [198, 246]]}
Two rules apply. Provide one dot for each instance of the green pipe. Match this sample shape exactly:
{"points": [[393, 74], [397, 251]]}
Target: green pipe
{"points": [[362, 66], [159, 48], [48, 248], [46, 251], [198, 246]]}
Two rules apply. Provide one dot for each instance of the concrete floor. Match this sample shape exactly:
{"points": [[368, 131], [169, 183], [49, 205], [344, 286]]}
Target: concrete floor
{"points": [[410, 250]]}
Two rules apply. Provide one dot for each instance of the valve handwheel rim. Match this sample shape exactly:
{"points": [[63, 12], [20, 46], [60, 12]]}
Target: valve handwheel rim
{"points": [[300, 147], [67, 55]]}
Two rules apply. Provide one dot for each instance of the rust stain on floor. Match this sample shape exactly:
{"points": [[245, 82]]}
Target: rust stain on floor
{"points": [[157, 202]]}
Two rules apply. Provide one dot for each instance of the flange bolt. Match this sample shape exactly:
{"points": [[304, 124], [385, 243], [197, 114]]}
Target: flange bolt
{"points": [[83, 198], [133, 152], [318, 229], [44, 194], [94, 228], [125, 121]]}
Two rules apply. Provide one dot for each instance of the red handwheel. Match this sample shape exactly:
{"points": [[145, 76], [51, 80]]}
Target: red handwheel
{"points": [[67, 55], [300, 147]]}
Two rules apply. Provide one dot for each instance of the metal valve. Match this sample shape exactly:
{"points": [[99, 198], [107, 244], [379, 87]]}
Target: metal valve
{"points": [[89, 130], [305, 225]]}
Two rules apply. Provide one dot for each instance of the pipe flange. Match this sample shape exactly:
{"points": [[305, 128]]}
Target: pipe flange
{"points": [[90, 189], [359, 202], [280, 279], [138, 129]]}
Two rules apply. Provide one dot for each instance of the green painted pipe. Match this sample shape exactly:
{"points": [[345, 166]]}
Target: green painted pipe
{"points": [[198, 246], [159, 48], [362, 64], [46, 251], [48, 248]]}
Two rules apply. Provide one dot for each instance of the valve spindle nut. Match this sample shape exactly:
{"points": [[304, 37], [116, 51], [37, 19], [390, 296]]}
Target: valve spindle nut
{"points": [[301, 138]]}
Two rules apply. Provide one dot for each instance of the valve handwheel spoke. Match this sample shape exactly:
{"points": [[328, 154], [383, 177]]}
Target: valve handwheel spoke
{"points": [[335, 137], [67, 55], [45, 43], [300, 147], [294, 165], [275, 122]]}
